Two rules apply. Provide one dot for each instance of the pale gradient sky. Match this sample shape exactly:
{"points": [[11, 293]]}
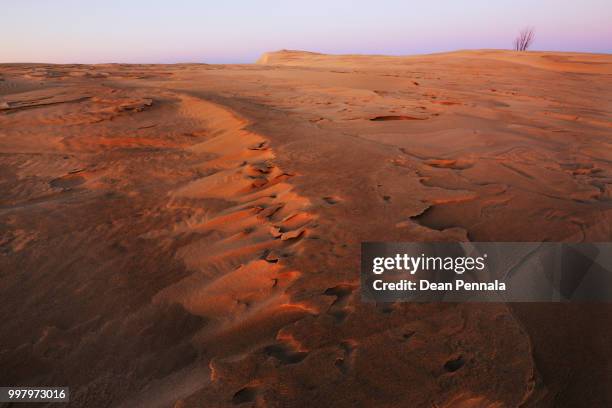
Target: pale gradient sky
{"points": [[226, 31]]}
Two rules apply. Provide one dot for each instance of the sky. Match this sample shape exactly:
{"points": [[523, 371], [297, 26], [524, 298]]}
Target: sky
{"points": [[239, 31]]}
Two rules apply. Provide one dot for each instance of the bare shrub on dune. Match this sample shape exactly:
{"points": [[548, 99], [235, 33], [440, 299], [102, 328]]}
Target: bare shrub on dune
{"points": [[523, 41]]}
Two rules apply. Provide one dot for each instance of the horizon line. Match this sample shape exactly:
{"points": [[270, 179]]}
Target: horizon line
{"points": [[309, 52]]}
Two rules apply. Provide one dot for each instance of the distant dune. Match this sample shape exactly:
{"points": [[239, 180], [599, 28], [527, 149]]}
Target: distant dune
{"points": [[189, 235], [557, 61]]}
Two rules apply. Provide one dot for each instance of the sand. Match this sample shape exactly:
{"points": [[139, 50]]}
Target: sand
{"points": [[188, 235]]}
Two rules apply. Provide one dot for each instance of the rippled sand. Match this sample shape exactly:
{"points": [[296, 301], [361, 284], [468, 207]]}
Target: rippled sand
{"points": [[188, 235]]}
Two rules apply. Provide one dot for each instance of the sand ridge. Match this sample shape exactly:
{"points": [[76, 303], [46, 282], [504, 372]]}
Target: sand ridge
{"points": [[251, 238]]}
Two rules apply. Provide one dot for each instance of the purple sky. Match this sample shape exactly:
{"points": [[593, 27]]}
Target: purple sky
{"points": [[241, 30]]}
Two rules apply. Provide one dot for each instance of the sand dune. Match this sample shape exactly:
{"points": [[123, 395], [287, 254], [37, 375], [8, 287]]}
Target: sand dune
{"points": [[188, 235]]}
